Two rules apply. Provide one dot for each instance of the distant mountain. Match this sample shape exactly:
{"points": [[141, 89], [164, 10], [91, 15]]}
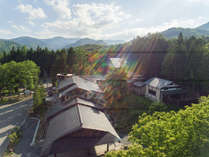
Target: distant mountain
{"points": [[29, 42], [58, 42], [204, 27], [6, 45], [187, 32], [51, 43], [202, 30], [86, 41]]}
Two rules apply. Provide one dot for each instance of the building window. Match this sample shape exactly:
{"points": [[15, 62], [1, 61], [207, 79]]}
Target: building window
{"points": [[152, 92]]}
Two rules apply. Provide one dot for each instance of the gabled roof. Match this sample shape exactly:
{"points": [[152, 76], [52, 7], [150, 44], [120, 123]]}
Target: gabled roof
{"points": [[139, 84], [74, 119], [67, 90], [94, 78], [79, 83], [171, 91], [57, 108], [158, 82]]}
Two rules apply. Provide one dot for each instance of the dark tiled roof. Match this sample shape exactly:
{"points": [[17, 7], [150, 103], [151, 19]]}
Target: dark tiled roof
{"points": [[75, 118], [139, 84], [94, 78], [158, 82], [80, 83], [57, 108]]}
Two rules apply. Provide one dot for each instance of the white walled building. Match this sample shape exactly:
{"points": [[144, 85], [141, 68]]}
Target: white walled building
{"points": [[154, 86]]}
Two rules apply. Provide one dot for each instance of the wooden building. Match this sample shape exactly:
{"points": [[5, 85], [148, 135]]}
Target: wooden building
{"points": [[157, 88], [77, 126], [75, 86], [139, 88]]}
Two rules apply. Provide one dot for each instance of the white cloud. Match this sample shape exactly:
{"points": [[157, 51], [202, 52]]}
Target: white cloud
{"points": [[88, 19], [199, 1], [99, 15], [91, 22], [103, 21], [5, 32], [19, 28], [187, 23], [33, 13], [61, 7], [130, 33]]}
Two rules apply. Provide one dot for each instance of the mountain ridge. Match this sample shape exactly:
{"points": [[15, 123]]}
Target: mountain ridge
{"points": [[6, 45], [59, 42], [204, 26], [86, 41], [202, 30]]}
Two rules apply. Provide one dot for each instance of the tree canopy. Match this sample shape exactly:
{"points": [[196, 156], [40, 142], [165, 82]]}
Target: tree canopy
{"points": [[15, 75], [116, 86], [170, 134]]}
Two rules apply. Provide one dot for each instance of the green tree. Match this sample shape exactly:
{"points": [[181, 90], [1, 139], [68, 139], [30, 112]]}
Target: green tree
{"points": [[184, 133], [39, 105], [116, 86], [15, 75], [70, 58]]}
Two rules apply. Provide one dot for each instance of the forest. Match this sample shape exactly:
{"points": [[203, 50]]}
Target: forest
{"points": [[182, 60]]}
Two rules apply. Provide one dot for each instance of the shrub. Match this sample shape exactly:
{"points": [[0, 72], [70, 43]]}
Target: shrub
{"points": [[157, 106], [14, 138], [39, 106]]}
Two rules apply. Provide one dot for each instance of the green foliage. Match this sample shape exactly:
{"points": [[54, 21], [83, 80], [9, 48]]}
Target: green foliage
{"points": [[60, 63], [184, 61], [187, 32], [80, 62], [187, 63], [184, 133], [116, 88], [128, 110], [8, 100], [157, 107], [14, 138], [137, 101], [39, 106], [136, 150], [6, 45], [18, 75], [150, 52]]}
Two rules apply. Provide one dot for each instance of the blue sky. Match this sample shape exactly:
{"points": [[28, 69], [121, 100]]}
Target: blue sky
{"points": [[99, 19]]}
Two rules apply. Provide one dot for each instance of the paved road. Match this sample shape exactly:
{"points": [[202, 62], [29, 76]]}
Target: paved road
{"points": [[10, 116]]}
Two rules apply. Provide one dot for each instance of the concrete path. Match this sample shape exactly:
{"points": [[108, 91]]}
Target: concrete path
{"points": [[12, 115], [23, 149]]}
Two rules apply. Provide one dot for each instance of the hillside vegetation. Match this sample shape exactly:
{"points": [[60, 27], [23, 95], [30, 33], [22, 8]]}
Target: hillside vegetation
{"points": [[6, 45], [183, 60]]}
